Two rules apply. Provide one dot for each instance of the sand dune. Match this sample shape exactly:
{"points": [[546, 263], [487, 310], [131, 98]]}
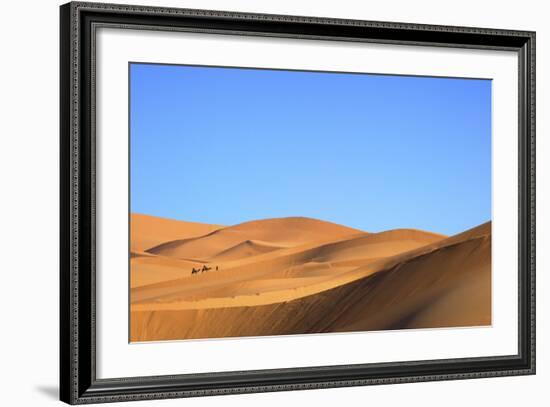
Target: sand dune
{"points": [[282, 231], [150, 231], [319, 257], [272, 280], [151, 269], [248, 248]]}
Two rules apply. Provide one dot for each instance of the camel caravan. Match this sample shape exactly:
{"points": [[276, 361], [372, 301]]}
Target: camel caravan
{"points": [[204, 268]]}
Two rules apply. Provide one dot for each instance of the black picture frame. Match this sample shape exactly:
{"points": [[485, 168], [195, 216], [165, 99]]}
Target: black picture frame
{"points": [[78, 382]]}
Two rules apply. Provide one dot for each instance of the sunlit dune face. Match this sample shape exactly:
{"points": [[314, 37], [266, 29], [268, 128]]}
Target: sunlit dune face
{"points": [[301, 275]]}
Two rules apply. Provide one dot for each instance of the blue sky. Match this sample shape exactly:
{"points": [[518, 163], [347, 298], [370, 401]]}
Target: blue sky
{"points": [[375, 152]]}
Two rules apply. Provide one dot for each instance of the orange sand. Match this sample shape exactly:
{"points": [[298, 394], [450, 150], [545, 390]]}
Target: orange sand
{"points": [[301, 275]]}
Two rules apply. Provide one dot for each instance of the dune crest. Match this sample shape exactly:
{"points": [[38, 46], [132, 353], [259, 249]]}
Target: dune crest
{"points": [[301, 275], [281, 231], [247, 248], [149, 231]]}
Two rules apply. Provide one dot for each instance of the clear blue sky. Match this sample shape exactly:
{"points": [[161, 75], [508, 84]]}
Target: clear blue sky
{"points": [[375, 152]]}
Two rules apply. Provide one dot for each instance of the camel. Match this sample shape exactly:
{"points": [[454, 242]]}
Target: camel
{"points": [[202, 270]]}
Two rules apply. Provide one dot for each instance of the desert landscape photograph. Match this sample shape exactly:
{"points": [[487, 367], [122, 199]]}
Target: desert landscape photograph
{"points": [[269, 202]]}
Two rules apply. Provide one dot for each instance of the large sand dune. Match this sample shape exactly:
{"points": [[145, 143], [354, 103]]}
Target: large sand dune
{"points": [[300, 275], [149, 231], [283, 232]]}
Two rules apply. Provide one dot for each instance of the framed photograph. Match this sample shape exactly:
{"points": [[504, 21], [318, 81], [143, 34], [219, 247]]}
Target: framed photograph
{"points": [[255, 203]]}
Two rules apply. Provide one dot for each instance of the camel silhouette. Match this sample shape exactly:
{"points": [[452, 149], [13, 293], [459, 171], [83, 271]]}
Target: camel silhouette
{"points": [[202, 270]]}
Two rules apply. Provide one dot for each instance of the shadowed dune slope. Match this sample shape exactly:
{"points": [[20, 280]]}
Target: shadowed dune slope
{"points": [[248, 248], [314, 259], [283, 232], [274, 283], [150, 231], [376, 245]]}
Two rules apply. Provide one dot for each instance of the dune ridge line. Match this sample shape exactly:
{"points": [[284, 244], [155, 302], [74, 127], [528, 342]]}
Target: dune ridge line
{"points": [[210, 281]]}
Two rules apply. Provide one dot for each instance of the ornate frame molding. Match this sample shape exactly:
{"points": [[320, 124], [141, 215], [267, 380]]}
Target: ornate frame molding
{"points": [[79, 384]]}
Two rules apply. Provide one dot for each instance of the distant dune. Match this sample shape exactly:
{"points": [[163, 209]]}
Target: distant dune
{"points": [[301, 275], [244, 249], [149, 231], [283, 231]]}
